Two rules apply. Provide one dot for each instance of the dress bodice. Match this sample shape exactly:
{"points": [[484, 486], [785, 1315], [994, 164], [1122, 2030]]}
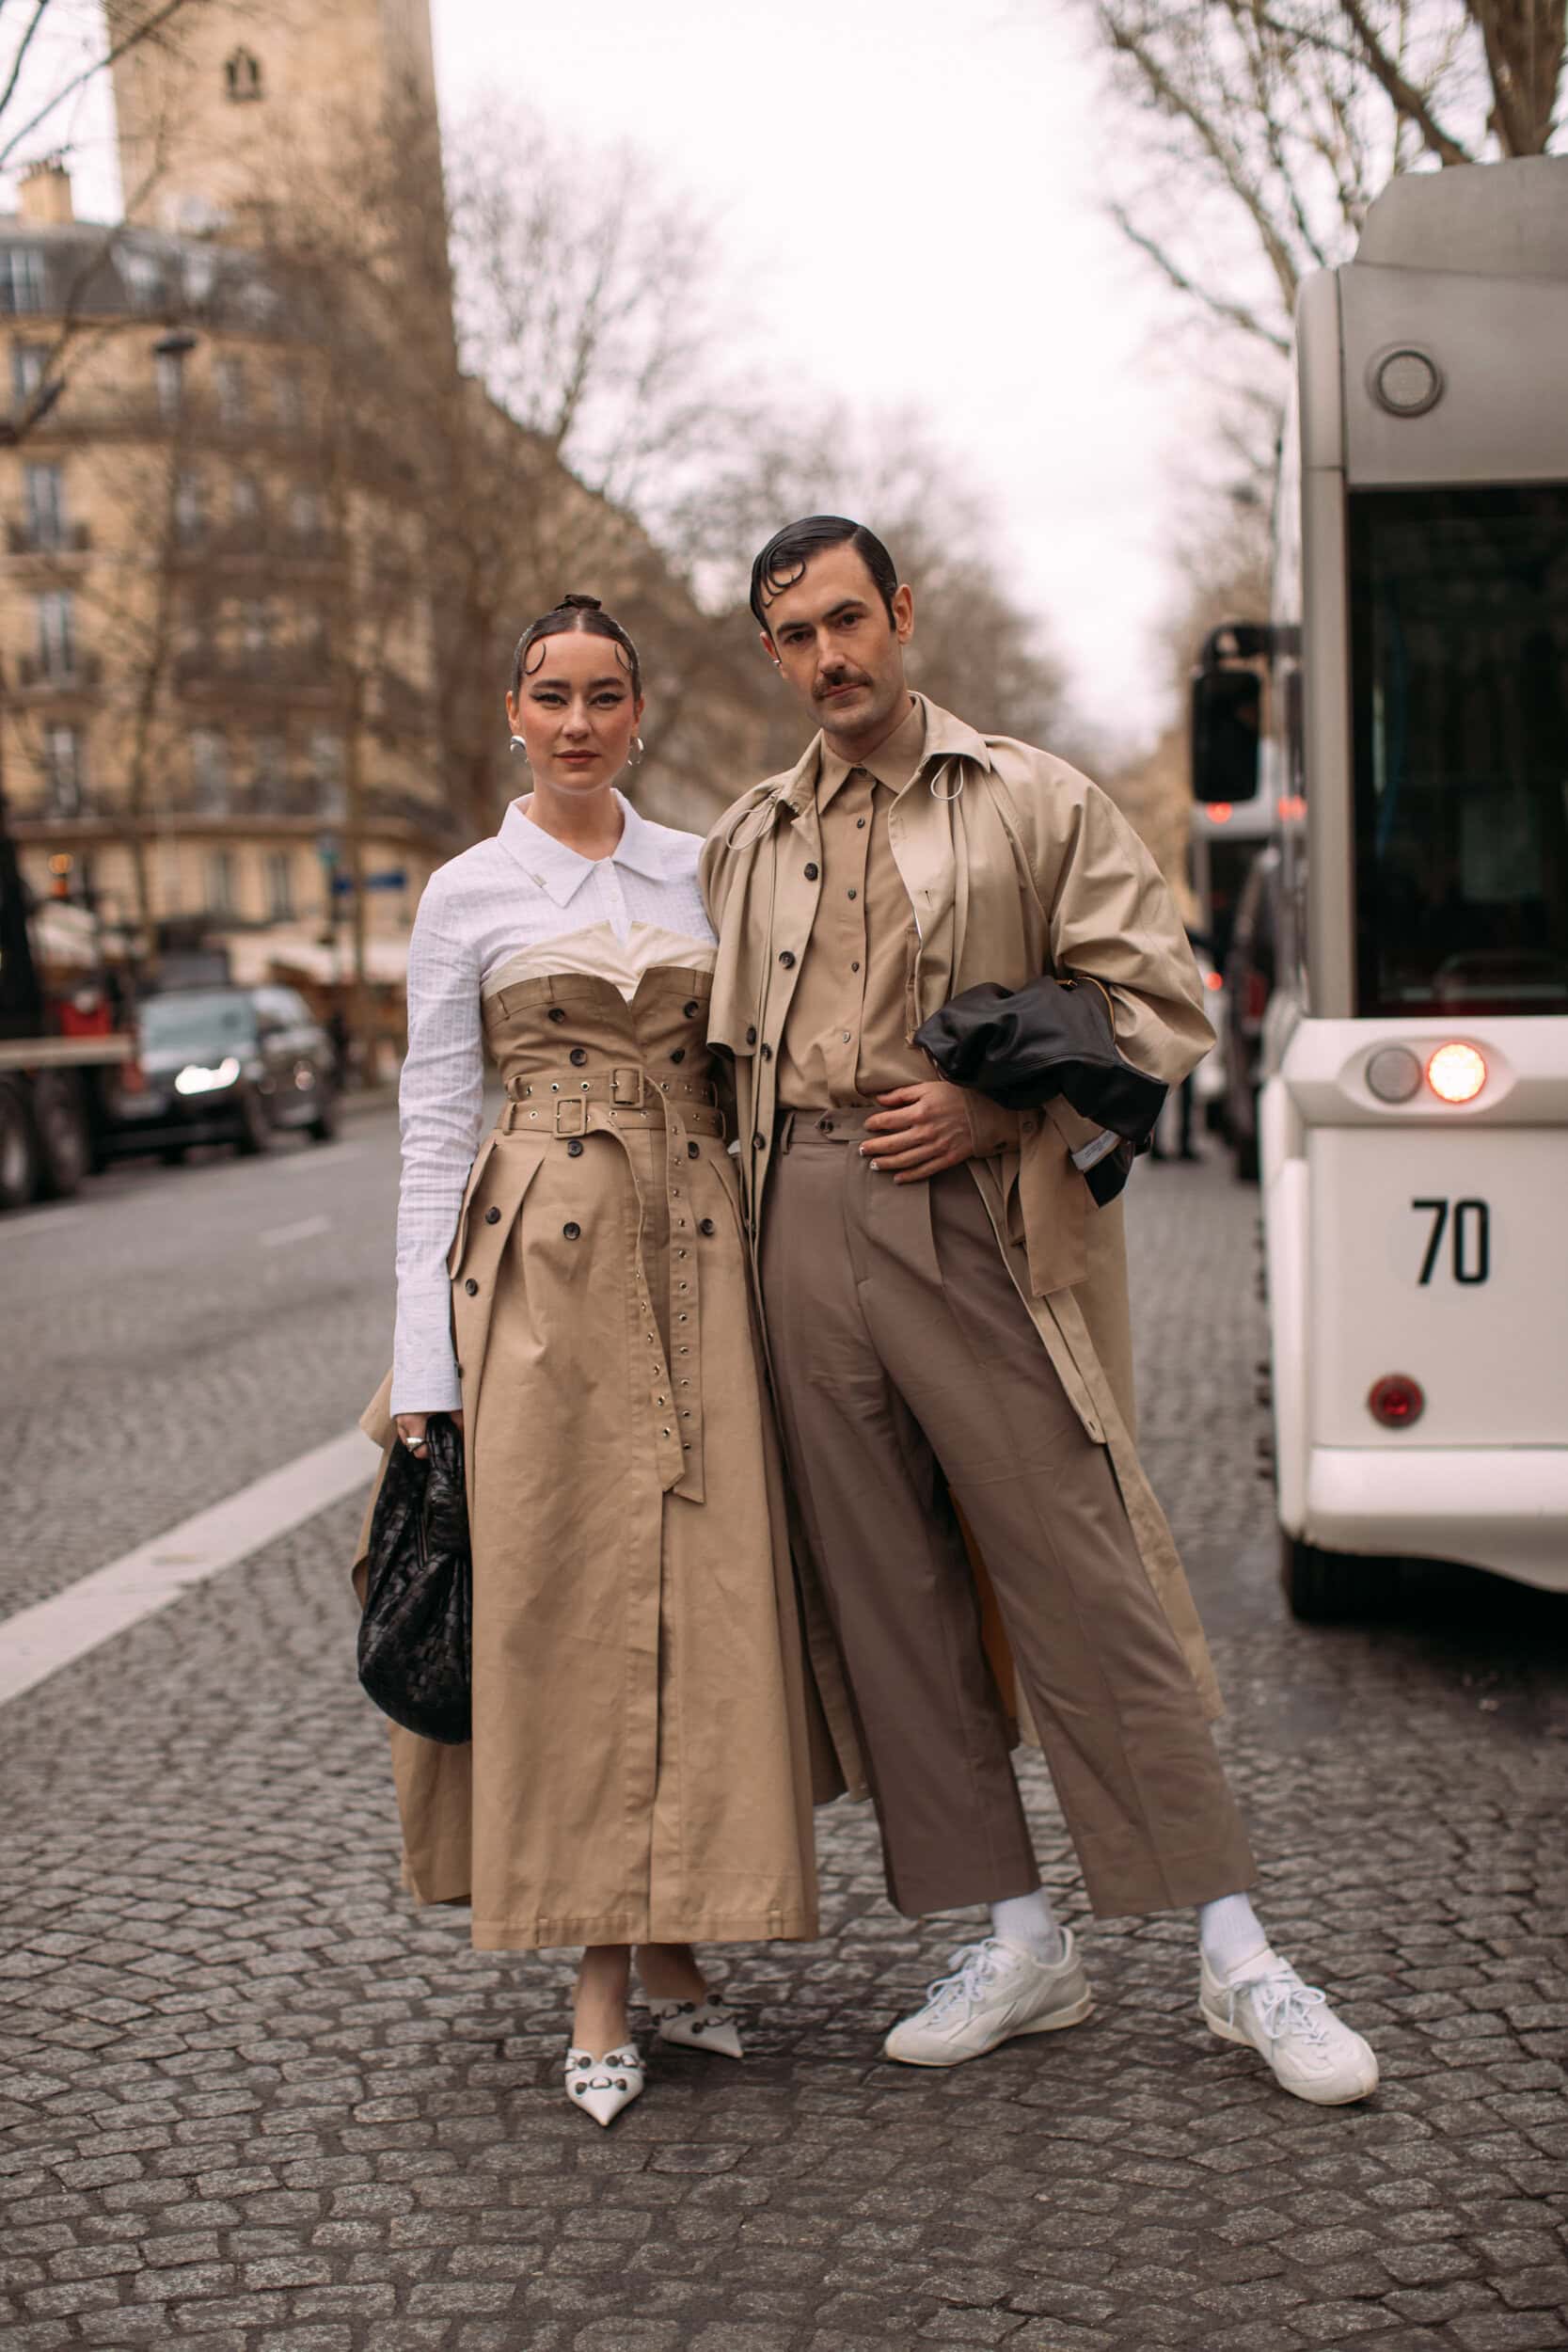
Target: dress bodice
{"points": [[569, 1029]]}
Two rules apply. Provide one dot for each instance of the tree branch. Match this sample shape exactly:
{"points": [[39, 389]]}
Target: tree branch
{"points": [[162, 15], [1232, 313]]}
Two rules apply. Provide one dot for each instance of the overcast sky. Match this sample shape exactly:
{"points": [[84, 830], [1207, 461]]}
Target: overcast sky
{"points": [[911, 192]]}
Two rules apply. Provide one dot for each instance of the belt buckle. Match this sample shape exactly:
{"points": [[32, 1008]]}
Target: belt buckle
{"points": [[571, 1116], [627, 1089]]}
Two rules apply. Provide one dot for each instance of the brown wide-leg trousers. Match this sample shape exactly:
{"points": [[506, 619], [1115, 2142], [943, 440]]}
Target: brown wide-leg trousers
{"points": [[908, 1370]]}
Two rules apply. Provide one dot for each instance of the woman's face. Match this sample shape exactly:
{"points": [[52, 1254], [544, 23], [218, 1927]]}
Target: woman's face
{"points": [[575, 711]]}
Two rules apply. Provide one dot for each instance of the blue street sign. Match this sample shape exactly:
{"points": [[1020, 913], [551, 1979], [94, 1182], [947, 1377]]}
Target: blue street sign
{"points": [[391, 878]]}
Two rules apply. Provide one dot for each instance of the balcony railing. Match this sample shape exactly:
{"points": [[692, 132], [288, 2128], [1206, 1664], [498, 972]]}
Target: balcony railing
{"points": [[278, 669], [58, 674], [27, 536], [262, 543]]}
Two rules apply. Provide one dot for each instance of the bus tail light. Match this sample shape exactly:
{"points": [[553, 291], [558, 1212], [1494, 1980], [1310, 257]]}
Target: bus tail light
{"points": [[1396, 1401], [1456, 1074]]}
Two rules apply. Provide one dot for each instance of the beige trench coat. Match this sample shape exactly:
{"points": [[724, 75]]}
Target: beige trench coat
{"points": [[640, 1763], [1015, 866]]}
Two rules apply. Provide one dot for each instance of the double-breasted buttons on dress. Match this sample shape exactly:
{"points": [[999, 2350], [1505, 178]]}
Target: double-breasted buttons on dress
{"points": [[577, 1056], [693, 1150], [854, 894], [558, 1012], [759, 1142], [705, 1225], [471, 1287], [574, 1149], [492, 1217], [750, 1037], [767, 1053], [679, 1053], [811, 873], [571, 1231], [787, 957], [692, 1009]]}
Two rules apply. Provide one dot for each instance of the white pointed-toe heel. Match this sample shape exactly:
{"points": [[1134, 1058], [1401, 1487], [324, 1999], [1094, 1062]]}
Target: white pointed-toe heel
{"points": [[705, 2024], [603, 2085]]}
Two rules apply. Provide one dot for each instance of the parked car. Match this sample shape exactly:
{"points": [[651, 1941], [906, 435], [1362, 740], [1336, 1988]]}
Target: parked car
{"points": [[223, 1065], [1249, 973]]}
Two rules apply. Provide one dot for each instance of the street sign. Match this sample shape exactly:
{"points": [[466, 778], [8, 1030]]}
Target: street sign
{"points": [[392, 877]]}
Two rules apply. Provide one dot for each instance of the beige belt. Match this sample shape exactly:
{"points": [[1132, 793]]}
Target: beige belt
{"points": [[610, 1102], [832, 1125]]}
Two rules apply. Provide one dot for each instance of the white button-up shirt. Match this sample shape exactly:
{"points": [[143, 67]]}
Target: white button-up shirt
{"points": [[518, 906]]}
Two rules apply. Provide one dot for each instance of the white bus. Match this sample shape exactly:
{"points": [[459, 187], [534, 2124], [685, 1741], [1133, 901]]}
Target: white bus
{"points": [[1414, 762]]}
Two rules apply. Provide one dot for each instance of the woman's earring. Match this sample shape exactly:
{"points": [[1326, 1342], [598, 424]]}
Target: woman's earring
{"points": [[517, 744], [636, 758]]}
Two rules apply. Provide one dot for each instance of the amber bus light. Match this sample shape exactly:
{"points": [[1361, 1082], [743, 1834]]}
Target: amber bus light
{"points": [[1456, 1074]]}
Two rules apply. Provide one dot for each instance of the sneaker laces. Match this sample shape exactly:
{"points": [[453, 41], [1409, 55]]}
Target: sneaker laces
{"points": [[1283, 2004], [981, 1966]]}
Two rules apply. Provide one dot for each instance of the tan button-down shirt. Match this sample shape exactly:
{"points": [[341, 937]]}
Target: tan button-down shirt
{"points": [[847, 1039], [848, 1036]]}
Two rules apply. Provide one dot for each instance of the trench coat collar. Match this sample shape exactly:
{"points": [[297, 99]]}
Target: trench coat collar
{"points": [[946, 737], [561, 872]]}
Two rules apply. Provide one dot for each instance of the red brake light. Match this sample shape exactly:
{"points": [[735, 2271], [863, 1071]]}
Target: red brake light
{"points": [[1213, 979], [1396, 1401]]}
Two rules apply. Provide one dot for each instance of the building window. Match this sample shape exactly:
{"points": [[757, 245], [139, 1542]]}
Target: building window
{"points": [[242, 77], [220, 881], [43, 491], [256, 625], [228, 377], [305, 514], [209, 768], [269, 774], [65, 771], [190, 505], [21, 278], [169, 376], [288, 397], [56, 633], [281, 886], [327, 771], [143, 275], [27, 365], [245, 500]]}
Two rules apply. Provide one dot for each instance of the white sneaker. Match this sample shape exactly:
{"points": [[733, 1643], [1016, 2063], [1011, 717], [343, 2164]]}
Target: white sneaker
{"points": [[1265, 2005], [603, 2085], [996, 1992]]}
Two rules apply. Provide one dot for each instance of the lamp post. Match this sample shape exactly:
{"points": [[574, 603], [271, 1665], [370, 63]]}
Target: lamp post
{"points": [[175, 345]]}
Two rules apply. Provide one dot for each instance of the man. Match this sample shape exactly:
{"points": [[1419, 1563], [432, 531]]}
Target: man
{"points": [[945, 1316]]}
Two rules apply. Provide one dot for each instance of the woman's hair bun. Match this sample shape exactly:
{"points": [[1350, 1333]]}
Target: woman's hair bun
{"points": [[579, 604]]}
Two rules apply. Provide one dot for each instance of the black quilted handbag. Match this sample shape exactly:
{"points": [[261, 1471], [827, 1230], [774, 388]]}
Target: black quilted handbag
{"points": [[1021, 1046], [416, 1643]]}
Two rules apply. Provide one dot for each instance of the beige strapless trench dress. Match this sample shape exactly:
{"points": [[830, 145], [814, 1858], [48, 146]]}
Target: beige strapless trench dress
{"points": [[639, 1769]]}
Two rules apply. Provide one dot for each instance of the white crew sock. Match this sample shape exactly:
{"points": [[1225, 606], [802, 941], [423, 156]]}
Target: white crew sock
{"points": [[1229, 1932], [1028, 1923]]}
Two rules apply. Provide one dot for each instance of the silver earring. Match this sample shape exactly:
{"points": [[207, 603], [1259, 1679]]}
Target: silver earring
{"points": [[517, 744], [635, 759]]}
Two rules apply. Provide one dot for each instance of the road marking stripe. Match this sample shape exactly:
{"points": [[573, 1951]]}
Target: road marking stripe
{"points": [[306, 1229], [32, 1218], [37, 1641]]}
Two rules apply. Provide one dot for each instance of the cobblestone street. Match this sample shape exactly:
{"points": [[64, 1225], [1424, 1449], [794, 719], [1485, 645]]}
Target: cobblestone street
{"points": [[252, 2102]]}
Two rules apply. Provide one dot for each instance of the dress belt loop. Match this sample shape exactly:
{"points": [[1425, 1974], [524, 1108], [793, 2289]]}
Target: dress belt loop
{"points": [[627, 1089]]}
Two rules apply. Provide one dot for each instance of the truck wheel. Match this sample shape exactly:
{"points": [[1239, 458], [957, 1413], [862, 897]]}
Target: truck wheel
{"points": [[65, 1146], [19, 1149], [1333, 1587]]}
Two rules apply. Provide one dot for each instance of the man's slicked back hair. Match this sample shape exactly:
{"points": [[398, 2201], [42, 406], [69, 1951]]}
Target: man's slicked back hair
{"points": [[789, 550]]}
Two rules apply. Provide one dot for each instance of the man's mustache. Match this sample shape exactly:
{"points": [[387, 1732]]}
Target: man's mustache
{"points": [[840, 677]]}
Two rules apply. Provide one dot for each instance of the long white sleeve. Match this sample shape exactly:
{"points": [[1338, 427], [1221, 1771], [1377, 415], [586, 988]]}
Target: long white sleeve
{"points": [[440, 1104]]}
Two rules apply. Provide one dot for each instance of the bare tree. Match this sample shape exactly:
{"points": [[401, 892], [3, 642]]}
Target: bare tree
{"points": [[1280, 119]]}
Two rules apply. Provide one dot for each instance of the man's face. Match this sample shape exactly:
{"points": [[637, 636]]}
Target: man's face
{"points": [[831, 637]]}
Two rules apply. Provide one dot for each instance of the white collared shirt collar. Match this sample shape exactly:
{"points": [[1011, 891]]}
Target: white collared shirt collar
{"points": [[561, 872]]}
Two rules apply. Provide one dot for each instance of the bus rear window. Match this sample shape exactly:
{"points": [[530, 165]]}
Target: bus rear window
{"points": [[1459, 602]]}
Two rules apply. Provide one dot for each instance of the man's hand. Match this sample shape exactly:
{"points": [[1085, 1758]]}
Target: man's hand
{"points": [[919, 1131], [411, 1428]]}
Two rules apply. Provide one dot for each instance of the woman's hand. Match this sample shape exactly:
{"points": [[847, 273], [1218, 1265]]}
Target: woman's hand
{"points": [[412, 1426]]}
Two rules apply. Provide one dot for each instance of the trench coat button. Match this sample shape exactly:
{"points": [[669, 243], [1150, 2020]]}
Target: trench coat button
{"points": [[750, 1037], [471, 1287], [759, 1142], [767, 1053], [787, 957], [574, 1149], [705, 1225], [577, 1056], [692, 1009], [854, 894], [571, 1232], [811, 873], [558, 1012], [492, 1217], [679, 1053], [693, 1150]]}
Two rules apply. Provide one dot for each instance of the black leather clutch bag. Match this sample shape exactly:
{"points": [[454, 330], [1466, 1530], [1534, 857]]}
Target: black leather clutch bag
{"points": [[1024, 1046], [416, 1634]]}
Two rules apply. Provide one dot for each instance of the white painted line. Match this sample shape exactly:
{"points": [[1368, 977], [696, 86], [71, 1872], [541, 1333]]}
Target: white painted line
{"points": [[37, 1641], [306, 1229], [32, 1218]]}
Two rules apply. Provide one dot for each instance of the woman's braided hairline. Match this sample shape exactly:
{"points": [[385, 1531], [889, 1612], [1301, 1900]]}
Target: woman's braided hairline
{"points": [[576, 615]]}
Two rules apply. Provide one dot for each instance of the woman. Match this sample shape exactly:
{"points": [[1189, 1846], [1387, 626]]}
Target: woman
{"points": [[577, 1296]]}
